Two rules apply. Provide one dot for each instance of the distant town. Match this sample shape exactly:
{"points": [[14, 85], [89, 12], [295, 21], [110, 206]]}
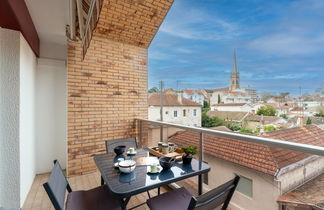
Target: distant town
{"points": [[238, 108]]}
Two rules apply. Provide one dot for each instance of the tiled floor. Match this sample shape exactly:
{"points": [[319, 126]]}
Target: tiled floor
{"points": [[37, 198]]}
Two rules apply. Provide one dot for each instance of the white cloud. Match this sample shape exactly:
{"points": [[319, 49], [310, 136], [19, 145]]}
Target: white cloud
{"points": [[192, 23]]}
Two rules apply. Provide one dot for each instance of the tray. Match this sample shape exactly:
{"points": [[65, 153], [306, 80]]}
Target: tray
{"points": [[177, 154]]}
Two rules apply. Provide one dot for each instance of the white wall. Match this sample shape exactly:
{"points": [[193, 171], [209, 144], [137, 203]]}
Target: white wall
{"points": [[9, 118], [51, 114], [168, 114], [27, 119]]}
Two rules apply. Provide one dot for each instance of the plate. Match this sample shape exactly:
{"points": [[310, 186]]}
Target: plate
{"points": [[133, 153]]}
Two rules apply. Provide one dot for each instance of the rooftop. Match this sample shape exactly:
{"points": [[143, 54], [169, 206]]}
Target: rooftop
{"points": [[230, 104], [309, 195], [170, 100], [259, 157]]}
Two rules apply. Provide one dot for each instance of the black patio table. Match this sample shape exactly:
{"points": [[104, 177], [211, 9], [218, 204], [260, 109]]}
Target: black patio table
{"points": [[124, 186]]}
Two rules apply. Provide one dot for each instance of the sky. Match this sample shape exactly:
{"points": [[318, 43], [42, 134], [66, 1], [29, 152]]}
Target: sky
{"points": [[279, 45]]}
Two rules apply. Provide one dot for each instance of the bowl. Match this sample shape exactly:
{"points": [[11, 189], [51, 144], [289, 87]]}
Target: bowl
{"points": [[127, 166], [166, 162], [120, 149]]}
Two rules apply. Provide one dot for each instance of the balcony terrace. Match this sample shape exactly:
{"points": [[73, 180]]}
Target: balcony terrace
{"points": [[73, 75]]}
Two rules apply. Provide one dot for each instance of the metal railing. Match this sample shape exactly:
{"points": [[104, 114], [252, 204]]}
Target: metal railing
{"points": [[305, 148]]}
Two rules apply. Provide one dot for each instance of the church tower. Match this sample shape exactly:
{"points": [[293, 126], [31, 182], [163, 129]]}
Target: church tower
{"points": [[235, 76]]}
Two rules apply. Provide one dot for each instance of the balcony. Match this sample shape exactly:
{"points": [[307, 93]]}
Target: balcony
{"points": [[74, 74]]}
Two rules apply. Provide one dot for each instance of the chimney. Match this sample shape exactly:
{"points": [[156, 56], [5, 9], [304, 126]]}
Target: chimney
{"points": [[179, 97]]}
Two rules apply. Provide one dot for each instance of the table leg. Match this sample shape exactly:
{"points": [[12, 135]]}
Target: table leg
{"points": [[159, 191], [124, 202], [200, 184], [102, 180]]}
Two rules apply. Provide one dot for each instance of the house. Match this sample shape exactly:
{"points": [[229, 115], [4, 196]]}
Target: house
{"points": [[295, 121], [193, 95], [229, 116], [176, 109], [266, 173], [236, 107]]}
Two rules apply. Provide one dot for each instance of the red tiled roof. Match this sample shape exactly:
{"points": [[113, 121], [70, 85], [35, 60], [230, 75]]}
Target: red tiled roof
{"points": [[297, 109], [308, 195], [170, 100], [256, 156], [230, 104]]}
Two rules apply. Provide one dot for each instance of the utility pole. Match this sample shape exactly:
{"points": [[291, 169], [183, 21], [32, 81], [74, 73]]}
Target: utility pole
{"points": [[161, 109]]}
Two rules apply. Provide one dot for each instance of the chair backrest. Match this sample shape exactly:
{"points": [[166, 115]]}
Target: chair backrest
{"points": [[111, 144], [215, 197], [56, 186]]}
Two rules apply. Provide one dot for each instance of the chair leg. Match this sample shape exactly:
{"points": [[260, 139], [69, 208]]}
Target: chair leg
{"points": [[148, 194], [158, 190], [102, 180]]}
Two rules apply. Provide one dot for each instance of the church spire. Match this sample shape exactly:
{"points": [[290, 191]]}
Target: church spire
{"points": [[234, 66], [235, 76]]}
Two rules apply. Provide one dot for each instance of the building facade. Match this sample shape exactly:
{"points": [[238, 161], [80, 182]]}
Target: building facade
{"points": [[176, 109]]}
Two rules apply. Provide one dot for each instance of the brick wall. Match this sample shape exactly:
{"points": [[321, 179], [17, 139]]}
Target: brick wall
{"points": [[105, 93], [108, 89]]}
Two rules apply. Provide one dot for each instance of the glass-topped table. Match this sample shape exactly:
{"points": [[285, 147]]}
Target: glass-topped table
{"points": [[124, 186]]}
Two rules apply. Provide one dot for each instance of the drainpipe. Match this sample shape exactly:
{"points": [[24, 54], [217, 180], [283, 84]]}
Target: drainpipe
{"points": [[161, 110]]}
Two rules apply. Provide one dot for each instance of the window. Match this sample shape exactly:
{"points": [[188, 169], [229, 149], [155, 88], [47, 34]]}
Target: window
{"points": [[175, 114], [195, 112], [184, 112], [245, 186]]}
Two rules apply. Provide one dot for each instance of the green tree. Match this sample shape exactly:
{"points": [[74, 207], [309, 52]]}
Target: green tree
{"points": [[219, 99], [309, 121], [208, 122], [153, 90], [234, 127], [283, 116], [266, 111], [246, 130], [320, 114], [268, 128], [206, 107]]}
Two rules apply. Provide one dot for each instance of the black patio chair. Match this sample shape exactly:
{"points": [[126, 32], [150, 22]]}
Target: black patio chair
{"points": [[181, 199], [98, 198], [111, 144]]}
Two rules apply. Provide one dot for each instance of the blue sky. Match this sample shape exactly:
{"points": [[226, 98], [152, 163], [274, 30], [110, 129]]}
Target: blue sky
{"points": [[280, 45]]}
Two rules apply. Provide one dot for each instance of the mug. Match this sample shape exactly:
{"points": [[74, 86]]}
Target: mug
{"points": [[160, 146], [165, 148], [131, 150], [171, 147], [154, 168]]}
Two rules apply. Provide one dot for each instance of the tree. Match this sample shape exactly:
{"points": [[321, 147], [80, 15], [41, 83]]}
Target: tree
{"points": [[153, 90], [266, 111], [284, 95], [234, 127], [283, 116], [268, 128], [246, 130], [320, 114], [208, 122], [219, 99], [206, 107], [309, 121]]}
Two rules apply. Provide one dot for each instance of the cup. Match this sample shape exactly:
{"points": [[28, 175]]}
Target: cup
{"points": [[131, 150], [120, 159], [160, 146], [154, 168], [171, 147], [165, 148]]}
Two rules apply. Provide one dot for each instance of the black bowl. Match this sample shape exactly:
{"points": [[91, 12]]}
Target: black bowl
{"points": [[165, 162], [120, 149]]}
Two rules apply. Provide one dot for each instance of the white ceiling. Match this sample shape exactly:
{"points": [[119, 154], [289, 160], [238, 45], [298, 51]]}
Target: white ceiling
{"points": [[50, 18]]}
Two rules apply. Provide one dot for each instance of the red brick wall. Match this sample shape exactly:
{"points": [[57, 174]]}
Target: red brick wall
{"points": [[106, 92]]}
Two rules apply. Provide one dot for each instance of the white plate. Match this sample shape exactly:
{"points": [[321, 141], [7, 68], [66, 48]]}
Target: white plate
{"points": [[133, 153]]}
